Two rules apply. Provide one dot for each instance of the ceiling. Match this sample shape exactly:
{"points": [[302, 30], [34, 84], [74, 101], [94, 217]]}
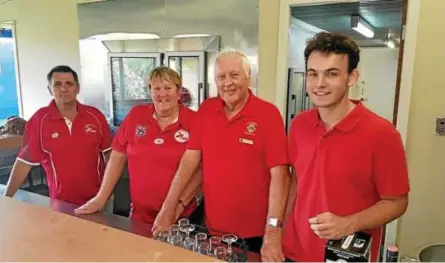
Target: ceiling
{"points": [[381, 14]]}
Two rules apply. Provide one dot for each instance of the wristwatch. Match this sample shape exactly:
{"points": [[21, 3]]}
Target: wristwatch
{"points": [[274, 222]]}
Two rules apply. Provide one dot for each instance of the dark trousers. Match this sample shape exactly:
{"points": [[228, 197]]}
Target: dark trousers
{"points": [[254, 243], [197, 216]]}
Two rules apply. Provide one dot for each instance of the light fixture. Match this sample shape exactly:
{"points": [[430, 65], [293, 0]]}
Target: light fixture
{"points": [[124, 36], [191, 35], [361, 26], [390, 43], [390, 39]]}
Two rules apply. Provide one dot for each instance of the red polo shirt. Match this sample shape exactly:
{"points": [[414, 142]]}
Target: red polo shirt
{"points": [[343, 171], [153, 157], [69, 152], [237, 157]]}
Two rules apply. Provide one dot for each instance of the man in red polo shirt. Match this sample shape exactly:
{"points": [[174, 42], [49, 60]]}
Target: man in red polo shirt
{"points": [[242, 141], [68, 139], [349, 163]]}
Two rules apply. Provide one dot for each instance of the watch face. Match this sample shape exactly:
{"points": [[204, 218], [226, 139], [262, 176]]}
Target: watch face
{"points": [[273, 221]]}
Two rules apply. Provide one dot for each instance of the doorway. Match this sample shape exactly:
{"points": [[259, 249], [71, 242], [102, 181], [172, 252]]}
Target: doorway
{"points": [[401, 97], [377, 28]]}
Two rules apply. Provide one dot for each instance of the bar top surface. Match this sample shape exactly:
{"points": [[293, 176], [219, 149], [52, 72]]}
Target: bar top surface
{"points": [[35, 228]]}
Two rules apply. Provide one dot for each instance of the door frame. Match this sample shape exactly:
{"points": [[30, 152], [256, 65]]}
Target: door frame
{"points": [[201, 55], [298, 100], [402, 103]]}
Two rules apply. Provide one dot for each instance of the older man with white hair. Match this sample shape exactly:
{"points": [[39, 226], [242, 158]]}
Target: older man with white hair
{"points": [[241, 141]]}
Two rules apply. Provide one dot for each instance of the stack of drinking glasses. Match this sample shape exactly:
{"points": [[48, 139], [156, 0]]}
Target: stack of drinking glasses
{"points": [[196, 238]]}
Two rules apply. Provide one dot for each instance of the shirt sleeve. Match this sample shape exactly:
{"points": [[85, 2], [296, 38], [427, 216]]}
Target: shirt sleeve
{"points": [[195, 140], [276, 147], [105, 144], [121, 141], [390, 172], [30, 151]]}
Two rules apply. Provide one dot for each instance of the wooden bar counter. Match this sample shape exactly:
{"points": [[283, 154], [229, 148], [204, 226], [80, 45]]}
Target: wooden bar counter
{"points": [[34, 228]]}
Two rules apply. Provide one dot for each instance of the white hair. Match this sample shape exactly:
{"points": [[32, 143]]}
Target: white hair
{"points": [[239, 54]]}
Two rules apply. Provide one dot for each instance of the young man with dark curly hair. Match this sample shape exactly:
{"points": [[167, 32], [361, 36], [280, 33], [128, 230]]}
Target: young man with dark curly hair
{"points": [[350, 171]]}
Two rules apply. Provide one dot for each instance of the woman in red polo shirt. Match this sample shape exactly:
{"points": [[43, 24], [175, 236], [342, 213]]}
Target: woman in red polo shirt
{"points": [[152, 138]]}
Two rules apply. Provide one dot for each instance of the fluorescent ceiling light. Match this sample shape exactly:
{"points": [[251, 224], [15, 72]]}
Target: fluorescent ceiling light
{"points": [[191, 35], [361, 26], [124, 36]]}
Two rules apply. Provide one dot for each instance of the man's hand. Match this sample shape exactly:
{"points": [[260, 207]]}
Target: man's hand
{"points": [[330, 226], [272, 250], [96, 204], [165, 218]]}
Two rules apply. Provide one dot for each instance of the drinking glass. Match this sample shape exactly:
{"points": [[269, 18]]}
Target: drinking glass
{"points": [[177, 240], [187, 229], [229, 239], [164, 236], [204, 248], [189, 244], [200, 238], [183, 221], [174, 231], [220, 253], [215, 242]]}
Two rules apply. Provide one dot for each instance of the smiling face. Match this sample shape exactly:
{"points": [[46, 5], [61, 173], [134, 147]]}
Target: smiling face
{"points": [[232, 80], [165, 95], [328, 79]]}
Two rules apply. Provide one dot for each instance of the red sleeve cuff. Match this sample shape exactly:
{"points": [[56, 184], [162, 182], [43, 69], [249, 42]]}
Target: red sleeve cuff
{"points": [[118, 148]]}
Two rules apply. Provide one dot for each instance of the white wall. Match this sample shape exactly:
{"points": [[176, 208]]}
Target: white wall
{"points": [[299, 33], [46, 35], [378, 73]]}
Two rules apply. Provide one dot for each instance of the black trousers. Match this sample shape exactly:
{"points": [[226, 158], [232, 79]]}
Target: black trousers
{"points": [[254, 243], [197, 217]]}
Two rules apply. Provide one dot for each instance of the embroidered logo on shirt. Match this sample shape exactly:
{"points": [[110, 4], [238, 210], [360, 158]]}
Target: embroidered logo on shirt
{"points": [[158, 141], [181, 136], [55, 135], [140, 130], [90, 129], [250, 128]]}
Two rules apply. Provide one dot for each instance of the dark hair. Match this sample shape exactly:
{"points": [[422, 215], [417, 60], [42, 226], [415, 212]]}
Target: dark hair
{"points": [[62, 69], [334, 43]]}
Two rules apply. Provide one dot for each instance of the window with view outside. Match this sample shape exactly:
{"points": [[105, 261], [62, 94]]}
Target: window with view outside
{"points": [[9, 101], [129, 84]]}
